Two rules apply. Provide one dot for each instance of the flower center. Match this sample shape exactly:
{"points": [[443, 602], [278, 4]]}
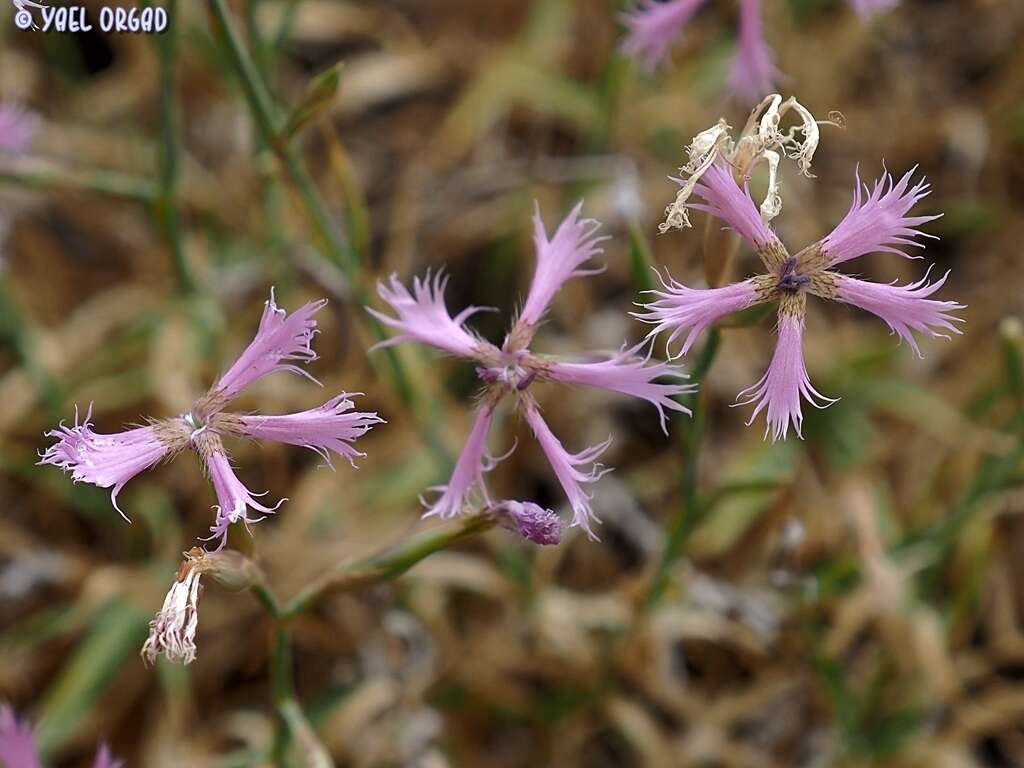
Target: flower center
{"points": [[790, 280], [511, 373], [195, 423]]}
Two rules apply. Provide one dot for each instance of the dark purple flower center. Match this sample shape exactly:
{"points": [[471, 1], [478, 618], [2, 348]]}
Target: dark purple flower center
{"points": [[789, 280]]}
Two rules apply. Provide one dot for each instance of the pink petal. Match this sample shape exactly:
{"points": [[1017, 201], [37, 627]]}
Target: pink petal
{"points": [[559, 260], [879, 221], [330, 428], [630, 372], [18, 128], [653, 27], [423, 316], [724, 199], [110, 461], [785, 382], [904, 308], [680, 309], [531, 521], [754, 73], [233, 498], [469, 469], [17, 741], [281, 341], [565, 466]]}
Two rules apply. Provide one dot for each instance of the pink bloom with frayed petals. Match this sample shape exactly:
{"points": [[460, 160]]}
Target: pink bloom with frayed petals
{"points": [[784, 383], [629, 372], [877, 222], [18, 129], [17, 741], [18, 745], [723, 199], [559, 259], [904, 308], [753, 74], [693, 310], [653, 27], [423, 316], [511, 370], [282, 341]]}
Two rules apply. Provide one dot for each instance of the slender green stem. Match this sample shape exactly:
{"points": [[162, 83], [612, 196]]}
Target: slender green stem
{"points": [[168, 207], [336, 244], [692, 432], [38, 174], [386, 565]]}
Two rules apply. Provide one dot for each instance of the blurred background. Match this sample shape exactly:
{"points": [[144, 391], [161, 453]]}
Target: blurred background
{"points": [[854, 598]]}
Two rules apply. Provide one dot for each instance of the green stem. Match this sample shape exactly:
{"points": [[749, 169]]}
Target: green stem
{"points": [[683, 523], [37, 174], [386, 565], [337, 246], [168, 208]]}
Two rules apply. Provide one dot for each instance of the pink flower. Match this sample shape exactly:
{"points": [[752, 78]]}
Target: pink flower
{"points": [[753, 73], [877, 222], [531, 521], [18, 129], [282, 341], [17, 741], [18, 746], [509, 371], [653, 27]]}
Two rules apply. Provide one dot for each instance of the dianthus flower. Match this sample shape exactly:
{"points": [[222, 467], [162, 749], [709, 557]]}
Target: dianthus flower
{"points": [[653, 27], [18, 745], [281, 343], [511, 370], [876, 222]]}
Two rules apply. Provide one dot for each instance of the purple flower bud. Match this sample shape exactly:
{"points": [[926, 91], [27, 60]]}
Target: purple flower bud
{"points": [[531, 521]]}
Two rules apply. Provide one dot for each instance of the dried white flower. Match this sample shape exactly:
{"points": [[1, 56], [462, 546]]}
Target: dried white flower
{"points": [[173, 631]]}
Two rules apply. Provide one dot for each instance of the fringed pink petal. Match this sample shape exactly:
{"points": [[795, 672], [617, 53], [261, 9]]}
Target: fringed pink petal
{"points": [[753, 74], [106, 461], [233, 498], [724, 200], [693, 310], [469, 469], [17, 741], [559, 259], [877, 220], [565, 466], [631, 372], [531, 521], [653, 27], [786, 381], [331, 428], [904, 308], [423, 316], [281, 341]]}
